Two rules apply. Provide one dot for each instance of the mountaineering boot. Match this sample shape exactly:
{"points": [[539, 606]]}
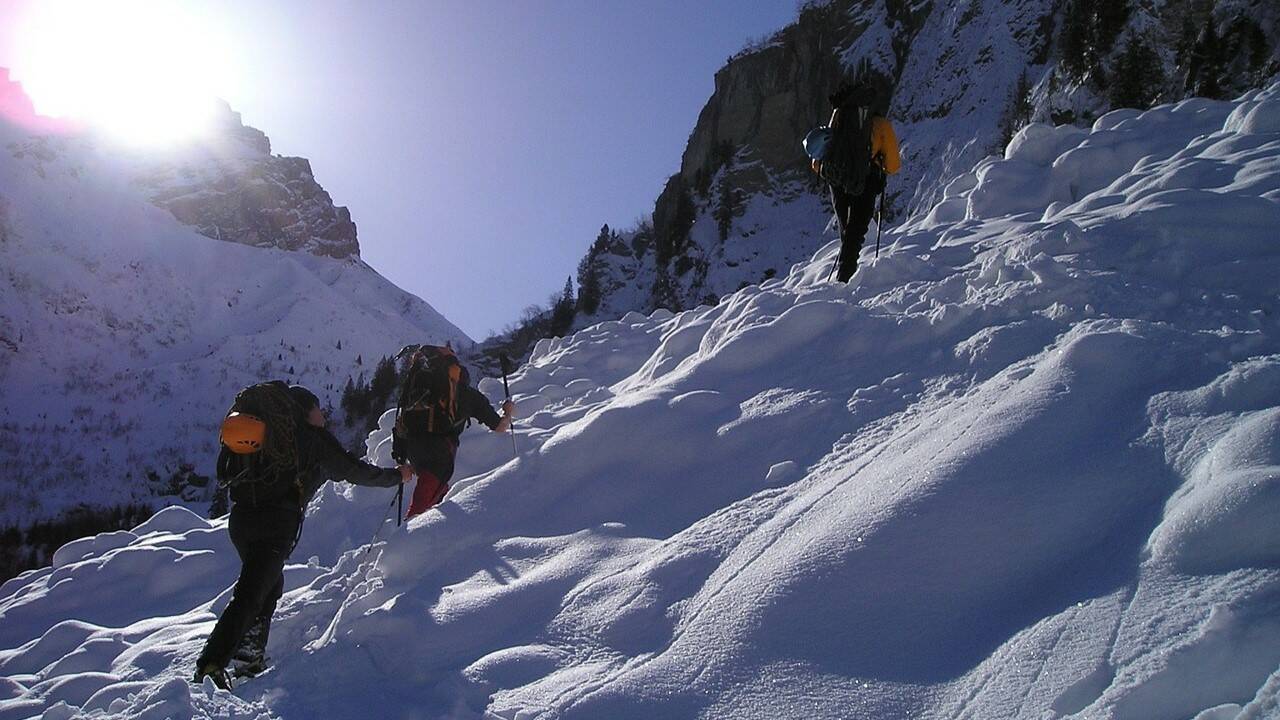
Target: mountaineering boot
{"points": [[248, 667], [251, 656], [214, 673]]}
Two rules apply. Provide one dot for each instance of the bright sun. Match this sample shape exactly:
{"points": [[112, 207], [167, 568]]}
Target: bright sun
{"points": [[145, 72]]}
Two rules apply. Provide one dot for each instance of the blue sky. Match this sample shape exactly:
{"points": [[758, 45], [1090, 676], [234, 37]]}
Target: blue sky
{"points": [[481, 145]]}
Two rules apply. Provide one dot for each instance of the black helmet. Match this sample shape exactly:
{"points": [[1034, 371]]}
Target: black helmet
{"points": [[304, 398], [861, 93]]}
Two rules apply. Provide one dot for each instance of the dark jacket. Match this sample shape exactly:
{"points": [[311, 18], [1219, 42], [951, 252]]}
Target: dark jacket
{"points": [[476, 405], [472, 404], [320, 458]]}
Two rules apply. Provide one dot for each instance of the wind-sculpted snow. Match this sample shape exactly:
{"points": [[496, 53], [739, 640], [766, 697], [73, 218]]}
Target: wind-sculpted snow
{"points": [[1027, 465]]}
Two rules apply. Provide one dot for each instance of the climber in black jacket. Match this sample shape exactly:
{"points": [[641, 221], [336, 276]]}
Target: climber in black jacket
{"points": [[265, 525]]}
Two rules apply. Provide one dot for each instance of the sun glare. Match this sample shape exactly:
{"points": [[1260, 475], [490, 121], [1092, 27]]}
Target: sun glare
{"points": [[144, 72]]}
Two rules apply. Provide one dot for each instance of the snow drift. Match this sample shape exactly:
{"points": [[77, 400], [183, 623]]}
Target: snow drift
{"points": [[1026, 465]]}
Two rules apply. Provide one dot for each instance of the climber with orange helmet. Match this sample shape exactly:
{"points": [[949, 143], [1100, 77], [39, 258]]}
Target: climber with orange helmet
{"points": [[276, 453]]}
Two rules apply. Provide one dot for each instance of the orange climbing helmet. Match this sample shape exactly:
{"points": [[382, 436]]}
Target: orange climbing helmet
{"points": [[243, 433]]}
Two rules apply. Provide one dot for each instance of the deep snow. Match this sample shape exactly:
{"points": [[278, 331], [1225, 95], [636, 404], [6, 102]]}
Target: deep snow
{"points": [[1027, 465]]}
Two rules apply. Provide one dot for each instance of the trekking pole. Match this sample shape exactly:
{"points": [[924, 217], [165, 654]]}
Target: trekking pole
{"points": [[399, 504], [835, 219], [879, 223], [383, 521], [506, 368]]}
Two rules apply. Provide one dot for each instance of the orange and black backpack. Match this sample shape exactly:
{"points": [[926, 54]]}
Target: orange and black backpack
{"points": [[260, 432], [846, 162], [431, 394]]}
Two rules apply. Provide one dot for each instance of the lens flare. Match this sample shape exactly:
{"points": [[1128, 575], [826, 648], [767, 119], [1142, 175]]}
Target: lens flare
{"points": [[144, 72]]}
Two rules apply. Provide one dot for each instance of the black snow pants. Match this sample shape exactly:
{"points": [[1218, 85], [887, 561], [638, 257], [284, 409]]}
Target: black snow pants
{"points": [[263, 538], [853, 213]]}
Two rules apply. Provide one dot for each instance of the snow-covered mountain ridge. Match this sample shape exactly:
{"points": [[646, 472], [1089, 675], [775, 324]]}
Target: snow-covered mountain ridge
{"points": [[1027, 466], [124, 333], [958, 79]]}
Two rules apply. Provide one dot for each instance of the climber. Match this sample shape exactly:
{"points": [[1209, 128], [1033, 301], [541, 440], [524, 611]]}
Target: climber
{"points": [[276, 453], [854, 153], [436, 404]]}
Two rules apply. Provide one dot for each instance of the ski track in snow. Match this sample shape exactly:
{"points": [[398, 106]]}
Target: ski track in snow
{"points": [[1027, 465]]}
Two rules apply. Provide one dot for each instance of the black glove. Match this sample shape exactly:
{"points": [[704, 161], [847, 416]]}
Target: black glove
{"points": [[397, 448]]}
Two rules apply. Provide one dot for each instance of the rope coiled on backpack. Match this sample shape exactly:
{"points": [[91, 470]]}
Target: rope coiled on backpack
{"points": [[272, 404], [281, 415]]}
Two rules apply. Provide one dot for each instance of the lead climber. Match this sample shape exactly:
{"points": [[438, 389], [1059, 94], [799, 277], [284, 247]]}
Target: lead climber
{"points": [[854, 153], [436, 404]]}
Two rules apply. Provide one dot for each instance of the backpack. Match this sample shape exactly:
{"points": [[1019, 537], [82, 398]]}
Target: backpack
{"points": [[260, 430], [429, 394], [846, 160]]}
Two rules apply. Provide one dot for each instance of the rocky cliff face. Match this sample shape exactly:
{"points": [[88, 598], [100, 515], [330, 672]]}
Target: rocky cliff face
{"points": [[766, 98], [957, 78], [230, 187]]}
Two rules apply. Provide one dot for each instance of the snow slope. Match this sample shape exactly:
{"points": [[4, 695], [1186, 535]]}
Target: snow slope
{"points": [[124, 334], [1026, 466]]}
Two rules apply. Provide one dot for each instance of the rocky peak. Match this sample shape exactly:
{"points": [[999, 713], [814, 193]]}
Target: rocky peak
{"points": [[228, 125], [227, 185], [230, 187]]}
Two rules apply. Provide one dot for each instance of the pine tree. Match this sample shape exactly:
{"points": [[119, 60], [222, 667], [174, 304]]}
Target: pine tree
{"points": [[663, 294], [1089, 32], [566, 295], [1077, 37], [702, 182], [686, 213], [384, 382], [724, 152], [1244, 54], [348, 400], [726, 208], [589, 274], [589, 280], [1186, 41], [1109, 18], [1205, 66], [1139, 77], [1259, 49], [563, 309], [1017, 114]]}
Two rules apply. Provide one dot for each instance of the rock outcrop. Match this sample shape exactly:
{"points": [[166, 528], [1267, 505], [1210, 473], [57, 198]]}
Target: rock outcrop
{"points": [[230, 187]]}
